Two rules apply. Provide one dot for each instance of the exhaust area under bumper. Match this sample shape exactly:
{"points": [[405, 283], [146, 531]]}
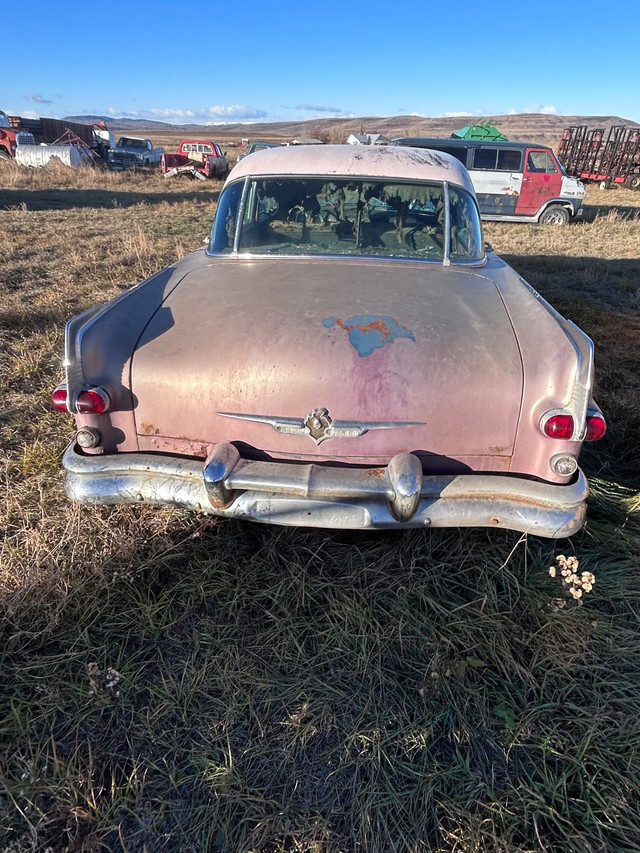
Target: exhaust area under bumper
{"points": [[311, 495]]}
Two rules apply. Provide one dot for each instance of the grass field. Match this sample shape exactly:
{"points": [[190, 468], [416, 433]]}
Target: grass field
{"points": [[176, 684]]}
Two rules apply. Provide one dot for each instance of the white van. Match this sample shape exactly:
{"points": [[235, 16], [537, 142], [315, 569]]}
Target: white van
{"points": [[514, 181]]}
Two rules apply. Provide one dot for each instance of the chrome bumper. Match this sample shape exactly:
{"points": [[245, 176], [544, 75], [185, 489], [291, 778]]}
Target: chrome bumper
{"points": [[309, 495]]}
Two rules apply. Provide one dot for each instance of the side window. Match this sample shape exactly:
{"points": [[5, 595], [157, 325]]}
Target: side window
{"points": [[540, 161], [509, 160], [458, 152], [485, 158], [466, 231], [224, 225]]}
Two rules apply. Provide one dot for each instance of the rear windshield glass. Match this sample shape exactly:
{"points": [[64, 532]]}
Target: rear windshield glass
{"points": [[343, 216]]}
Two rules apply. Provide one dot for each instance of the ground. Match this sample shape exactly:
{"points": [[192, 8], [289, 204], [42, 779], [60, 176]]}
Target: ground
{"points": [[177, 684]]}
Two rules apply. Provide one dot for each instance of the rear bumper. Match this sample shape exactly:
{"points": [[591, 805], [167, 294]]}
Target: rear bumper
{"points": [[310, 495]]}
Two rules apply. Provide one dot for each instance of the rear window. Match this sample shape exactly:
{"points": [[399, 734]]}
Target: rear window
{"points": [[497, 159], [331, 216], [197, 148]]}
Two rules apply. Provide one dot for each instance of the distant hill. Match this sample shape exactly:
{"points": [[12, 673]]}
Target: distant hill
{"points": [[522, 127], [123, 123]]}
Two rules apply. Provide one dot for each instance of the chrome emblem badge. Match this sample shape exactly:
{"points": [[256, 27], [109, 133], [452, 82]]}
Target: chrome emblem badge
{"points": [[319, 425]]}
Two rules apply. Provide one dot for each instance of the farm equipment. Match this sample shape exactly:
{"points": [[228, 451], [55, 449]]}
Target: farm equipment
{"points": [[595, 155]]}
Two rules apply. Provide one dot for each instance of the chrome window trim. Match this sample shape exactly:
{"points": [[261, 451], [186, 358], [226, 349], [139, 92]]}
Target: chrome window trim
{"points": [[240, 256], [241, 207], [446, 260]]}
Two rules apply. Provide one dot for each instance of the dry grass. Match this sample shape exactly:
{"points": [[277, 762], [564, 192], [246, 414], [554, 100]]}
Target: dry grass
{"points": [[172, 685]]}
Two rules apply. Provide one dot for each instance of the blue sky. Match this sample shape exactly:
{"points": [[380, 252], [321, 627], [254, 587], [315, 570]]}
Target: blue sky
{"points": [[276, 60]]}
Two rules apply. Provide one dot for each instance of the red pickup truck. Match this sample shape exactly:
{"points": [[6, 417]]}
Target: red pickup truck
{"points": [[198, 157]]}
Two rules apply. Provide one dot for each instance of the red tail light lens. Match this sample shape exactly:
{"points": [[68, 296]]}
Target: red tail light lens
{"points": [[596, 427], [59, 398], [93, 401], [559, 426]]}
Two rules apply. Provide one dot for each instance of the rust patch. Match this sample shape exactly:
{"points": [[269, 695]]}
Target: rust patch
{"points": [[376, 473], [369, 332], [148, 429]]}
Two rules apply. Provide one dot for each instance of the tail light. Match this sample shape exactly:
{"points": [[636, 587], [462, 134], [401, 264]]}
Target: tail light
{"points": [[90, 401], [557, 425], [596, 426], [59, 398]]}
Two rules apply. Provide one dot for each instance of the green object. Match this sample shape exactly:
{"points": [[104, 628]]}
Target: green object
{"points": [[480, 131]]}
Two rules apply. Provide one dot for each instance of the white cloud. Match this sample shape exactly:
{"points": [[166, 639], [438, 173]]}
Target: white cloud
{"points": [[205, 115], [318, 108], [173, 114], [237, 112], [34, 98], [460, 114]]}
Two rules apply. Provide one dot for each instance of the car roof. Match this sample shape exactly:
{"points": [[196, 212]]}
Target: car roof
{"points": [[394, 162], [455, 142]]}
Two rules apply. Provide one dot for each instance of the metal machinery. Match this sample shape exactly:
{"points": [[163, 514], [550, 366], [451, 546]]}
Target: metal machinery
{"points": [[593, 154]]}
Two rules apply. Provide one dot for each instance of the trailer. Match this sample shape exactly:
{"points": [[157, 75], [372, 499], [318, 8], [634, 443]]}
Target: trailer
{"points": [[593, 154]]}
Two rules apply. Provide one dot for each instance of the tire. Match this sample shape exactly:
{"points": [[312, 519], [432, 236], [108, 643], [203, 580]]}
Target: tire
{"points": [[555, 214], [4, 155], [633, 182], [605, 185]]}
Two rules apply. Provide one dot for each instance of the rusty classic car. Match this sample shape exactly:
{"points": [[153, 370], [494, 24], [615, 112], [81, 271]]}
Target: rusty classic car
{"points": [[345, 352]]}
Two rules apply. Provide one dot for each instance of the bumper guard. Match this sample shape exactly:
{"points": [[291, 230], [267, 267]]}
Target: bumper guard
{"points": [[310, 495]]}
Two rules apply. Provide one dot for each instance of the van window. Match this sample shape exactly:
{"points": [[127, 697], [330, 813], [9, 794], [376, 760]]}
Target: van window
{"points": [[496, 159], [459, 152], [540, 161]]}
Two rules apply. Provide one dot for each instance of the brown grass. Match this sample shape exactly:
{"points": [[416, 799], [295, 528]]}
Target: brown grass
{"points": [[170, 684]]}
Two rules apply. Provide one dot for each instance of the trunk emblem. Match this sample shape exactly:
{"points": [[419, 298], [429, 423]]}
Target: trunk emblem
{"points": [[319, 425]]}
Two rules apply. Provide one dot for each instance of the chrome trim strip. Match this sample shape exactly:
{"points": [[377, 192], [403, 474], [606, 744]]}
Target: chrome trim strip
{"points": [[254, 256], [241, 207], [335, 429], [446, 259], [312, 495], [583, 384]]}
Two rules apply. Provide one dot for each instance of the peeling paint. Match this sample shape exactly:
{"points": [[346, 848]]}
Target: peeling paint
{"points": [[369, 332]]}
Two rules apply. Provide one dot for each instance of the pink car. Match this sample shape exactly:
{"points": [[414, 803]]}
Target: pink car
{"points": [[344, 353]]}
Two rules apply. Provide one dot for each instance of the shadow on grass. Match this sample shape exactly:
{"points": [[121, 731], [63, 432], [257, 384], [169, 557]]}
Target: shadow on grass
{"points": [[580, 283], [65, 199]]}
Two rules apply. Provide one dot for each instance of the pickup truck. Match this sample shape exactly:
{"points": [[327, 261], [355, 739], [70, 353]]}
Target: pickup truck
{"points": [[133, 151], [200, 158]]}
